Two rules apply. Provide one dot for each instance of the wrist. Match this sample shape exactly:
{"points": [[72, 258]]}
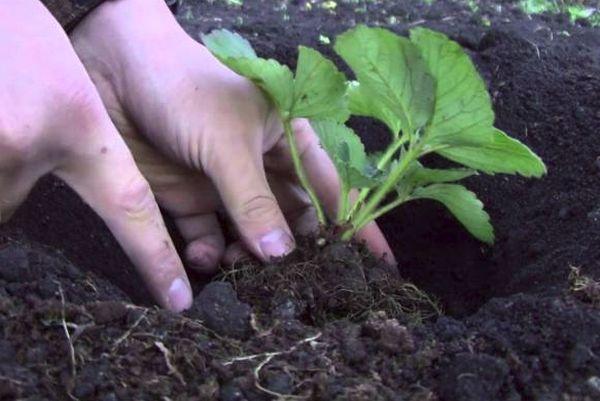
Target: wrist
{"points": [[130, 25], [137, 18], [124, 37]]}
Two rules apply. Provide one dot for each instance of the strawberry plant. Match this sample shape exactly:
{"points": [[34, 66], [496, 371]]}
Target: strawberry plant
{"points": [[428, 93]]}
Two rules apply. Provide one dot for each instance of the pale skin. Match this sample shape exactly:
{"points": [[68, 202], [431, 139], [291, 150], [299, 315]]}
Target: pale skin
{"points": [[133, 113]]}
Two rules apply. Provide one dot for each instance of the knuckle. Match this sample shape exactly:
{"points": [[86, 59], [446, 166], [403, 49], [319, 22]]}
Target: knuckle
{"points": [[136, 199], [80, 103], [85, 102], [16, 145], [166, 260], [259, 208]]}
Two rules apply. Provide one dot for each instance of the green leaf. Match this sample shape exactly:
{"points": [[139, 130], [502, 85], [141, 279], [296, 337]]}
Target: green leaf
{"points": [[462, 101], [464, 205], [347, 153], [495, 152], [363, 105], [394, 85], [274, 79], [419, 176], [225, 44], [462, 123], [319, 88]]}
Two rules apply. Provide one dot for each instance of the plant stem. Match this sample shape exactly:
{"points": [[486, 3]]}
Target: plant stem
{"points": [[291, 139], [388, 185], [381, 164], [380, 212], [343, 203]]}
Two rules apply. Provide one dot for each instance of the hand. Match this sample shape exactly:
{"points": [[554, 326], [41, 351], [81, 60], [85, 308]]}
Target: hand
{"points": [[203, 136], [53, 120]]}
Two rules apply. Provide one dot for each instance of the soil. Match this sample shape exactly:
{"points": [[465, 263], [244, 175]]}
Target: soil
{"points": [[521, 319]]}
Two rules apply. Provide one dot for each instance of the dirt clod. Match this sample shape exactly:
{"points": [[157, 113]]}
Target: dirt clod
{"points": [[472, 377], [109, 311], [219, 308], [393, 337], [318, 285]]}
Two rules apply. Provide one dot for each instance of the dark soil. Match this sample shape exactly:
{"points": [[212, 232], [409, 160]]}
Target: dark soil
{"points": [[522, 319]]}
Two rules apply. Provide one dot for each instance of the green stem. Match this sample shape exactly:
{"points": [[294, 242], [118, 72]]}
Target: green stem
{"points": [[380, 212], [388, 185], [291, 139], [343, 204], [385, 159]]}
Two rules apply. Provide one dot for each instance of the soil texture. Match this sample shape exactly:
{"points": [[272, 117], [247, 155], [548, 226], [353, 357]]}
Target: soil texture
{"points": [[459, 321]]}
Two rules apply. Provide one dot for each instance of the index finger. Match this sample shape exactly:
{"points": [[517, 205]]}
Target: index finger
{"points": [[104, 174]]}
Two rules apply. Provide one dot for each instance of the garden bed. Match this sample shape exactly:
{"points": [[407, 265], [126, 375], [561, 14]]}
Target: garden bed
{"points": [[521, 319]]}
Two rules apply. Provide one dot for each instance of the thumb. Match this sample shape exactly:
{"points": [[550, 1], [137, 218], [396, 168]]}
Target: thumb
{"points": [[244, 190]]}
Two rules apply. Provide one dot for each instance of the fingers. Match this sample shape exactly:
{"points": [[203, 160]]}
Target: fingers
{"points": [[372, 236], [205, 241], [189, 197], [245, 192], [295, 204], [106, 177]]}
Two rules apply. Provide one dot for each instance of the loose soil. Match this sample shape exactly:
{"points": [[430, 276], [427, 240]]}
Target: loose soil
{"points": [[521, 318]]}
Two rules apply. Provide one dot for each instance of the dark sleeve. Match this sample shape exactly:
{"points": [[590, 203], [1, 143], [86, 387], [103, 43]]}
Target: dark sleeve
{"points": [[70, 12]]}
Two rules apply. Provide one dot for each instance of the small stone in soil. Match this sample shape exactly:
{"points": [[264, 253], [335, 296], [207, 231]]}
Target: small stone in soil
{"points": [[109, 311], [288, 308], [221, 310]]}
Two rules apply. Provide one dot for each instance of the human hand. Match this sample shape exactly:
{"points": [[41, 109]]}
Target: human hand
{"points": [[53, 120], [204, 136]]}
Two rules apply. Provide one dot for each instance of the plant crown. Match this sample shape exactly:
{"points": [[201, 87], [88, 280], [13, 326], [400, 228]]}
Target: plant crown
{"points": [[428, 93]]}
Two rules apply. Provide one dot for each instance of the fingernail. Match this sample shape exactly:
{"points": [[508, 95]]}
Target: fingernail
{"points": [[180, 295], [275, 244]]}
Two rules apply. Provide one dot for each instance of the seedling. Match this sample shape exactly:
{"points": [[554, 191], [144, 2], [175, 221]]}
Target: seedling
{"points": [[428, 93]]}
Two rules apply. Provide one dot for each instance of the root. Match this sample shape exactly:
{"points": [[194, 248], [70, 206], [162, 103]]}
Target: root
{"points": [[268, 357], [129, 331], [71, 348], [278, 396], [329, 284], [170, 365], [584, 287]]}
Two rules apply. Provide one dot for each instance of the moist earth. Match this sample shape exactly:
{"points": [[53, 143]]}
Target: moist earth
{"points": [[520, 319]]}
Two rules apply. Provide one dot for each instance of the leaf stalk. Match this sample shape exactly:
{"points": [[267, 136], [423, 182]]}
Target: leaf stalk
{"points": [[383, 162], [301, 172], [367, 213]]}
